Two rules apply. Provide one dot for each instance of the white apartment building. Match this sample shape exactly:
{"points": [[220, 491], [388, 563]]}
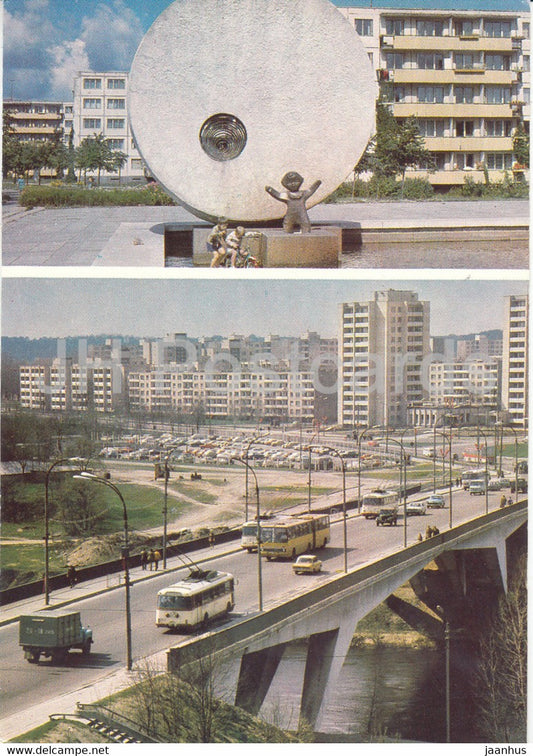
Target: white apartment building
{"points": [[474, 382], [465, 76], [100, 107], [515, 360], [480, 346], [242, 393], [64, 385], [34, 381], [381, 348]]}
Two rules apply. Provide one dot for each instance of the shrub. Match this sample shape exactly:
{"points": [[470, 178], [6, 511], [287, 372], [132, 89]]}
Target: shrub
{"points": [[75, 196], [417, 189]]}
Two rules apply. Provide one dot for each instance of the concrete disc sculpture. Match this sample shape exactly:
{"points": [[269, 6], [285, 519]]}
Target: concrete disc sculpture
{"points": [[227, 96]]}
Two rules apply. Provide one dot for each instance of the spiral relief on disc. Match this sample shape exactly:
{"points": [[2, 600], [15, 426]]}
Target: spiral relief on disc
{"points": [[223, 137]]}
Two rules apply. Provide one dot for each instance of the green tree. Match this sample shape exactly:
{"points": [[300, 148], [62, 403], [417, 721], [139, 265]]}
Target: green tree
{"points": [[11, 147], [95, 154], [80, 509], [521, 145]]}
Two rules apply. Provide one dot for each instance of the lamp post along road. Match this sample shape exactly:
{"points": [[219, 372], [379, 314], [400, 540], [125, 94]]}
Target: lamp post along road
{"points": [[344, 532], [47, 528], [258, 532], [125, 557]]}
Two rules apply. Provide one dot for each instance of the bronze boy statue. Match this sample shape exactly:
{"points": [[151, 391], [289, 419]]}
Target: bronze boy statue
{"points": [[295, 199]]}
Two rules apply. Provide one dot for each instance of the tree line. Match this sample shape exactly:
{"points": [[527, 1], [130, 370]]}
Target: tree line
{"points": [[94, 154]]}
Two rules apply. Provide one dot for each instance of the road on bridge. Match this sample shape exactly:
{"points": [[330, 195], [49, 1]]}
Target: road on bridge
{"points": [[24, 685]]}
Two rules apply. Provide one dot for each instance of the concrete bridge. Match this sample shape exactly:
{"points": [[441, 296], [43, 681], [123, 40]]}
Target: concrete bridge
{"points": [[472, 570]]}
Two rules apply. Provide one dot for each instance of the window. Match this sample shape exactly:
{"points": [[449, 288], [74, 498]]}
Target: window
{"points": [[116, 104], [115, 123], [364, 27], [497, 128], [497, 28], [92, 103], [136, 164], [92, 83], [526, 63], [431, 128], [394, 26], [116, 83], [68, 125], [429, 28], [115, 144], [499, 161], [464, 128], [68, 109], [430, 61], [497, 62], [465, 160], [464, 94], [430, 94], [464, 28], [525, 30], [400, 94], [394, 60], [526, 95], [464, 61], [497, 95], [92, 123]]}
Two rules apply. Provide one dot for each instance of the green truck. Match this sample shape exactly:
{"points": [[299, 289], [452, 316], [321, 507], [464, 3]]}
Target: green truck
{"points": [[53, 634]]}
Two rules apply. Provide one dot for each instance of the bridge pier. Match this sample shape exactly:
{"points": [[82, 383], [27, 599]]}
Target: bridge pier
{"points": [[256, 673]]}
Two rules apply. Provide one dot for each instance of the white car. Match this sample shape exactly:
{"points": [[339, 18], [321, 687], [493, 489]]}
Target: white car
{"points": [[416, 508]]}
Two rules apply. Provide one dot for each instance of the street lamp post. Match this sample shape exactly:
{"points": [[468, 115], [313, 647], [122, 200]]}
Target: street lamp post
{"points": [[309, 471], [252, 441], [47, 529], [403, 486], [258, 523], [125, 555], [345, 536], [502, 426]]}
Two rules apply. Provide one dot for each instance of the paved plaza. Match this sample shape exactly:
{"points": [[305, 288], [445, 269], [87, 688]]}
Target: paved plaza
{"points": [[445, 234]]}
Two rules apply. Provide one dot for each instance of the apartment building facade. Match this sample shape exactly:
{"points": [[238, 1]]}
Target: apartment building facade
{"points": [[36, 120], [266, 394], [100, 107], [465, 76], [515, 361], [381, 348]]}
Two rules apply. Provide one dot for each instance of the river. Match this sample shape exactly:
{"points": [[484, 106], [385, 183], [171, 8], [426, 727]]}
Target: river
{"points": [[395, 692]]}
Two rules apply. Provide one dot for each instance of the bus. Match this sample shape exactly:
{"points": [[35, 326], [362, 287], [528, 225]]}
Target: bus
{"points": [[376, 500], [469, 475], [295, 535], [195, 600]]}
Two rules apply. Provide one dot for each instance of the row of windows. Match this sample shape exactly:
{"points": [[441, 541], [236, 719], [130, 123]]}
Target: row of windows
{"points": [[459, 94], [440, 127], [96, 123], [111, 83], [434, 61], [95, 103], [436, 28]]}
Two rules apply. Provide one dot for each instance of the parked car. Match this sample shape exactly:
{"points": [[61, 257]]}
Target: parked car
{"points": [[435, 502], [522, 485], [307, 563], [415, 508], [477, 487], [387, 517]]}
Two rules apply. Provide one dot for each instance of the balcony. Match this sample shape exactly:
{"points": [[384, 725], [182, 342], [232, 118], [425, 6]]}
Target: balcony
{"points": [[409, 42], [451, 110], [469, 144]]}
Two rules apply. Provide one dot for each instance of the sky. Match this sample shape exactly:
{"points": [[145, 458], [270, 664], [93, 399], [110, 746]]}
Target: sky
{"points": [[59, 307], [47, 41]]}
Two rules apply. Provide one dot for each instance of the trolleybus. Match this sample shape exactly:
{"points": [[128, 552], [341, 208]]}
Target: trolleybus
{"points": [[195, 600]]}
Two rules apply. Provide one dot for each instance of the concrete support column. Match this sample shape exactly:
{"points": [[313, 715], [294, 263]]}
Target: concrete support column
{"points": [[256, 673], [320, 655]]}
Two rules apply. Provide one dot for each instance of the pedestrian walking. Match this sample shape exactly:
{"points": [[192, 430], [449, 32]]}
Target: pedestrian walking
{"points": [[211, 538], [503, 501], [71, 576], [509, 501], [144, 558], [151, 558], [157, 558]]}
